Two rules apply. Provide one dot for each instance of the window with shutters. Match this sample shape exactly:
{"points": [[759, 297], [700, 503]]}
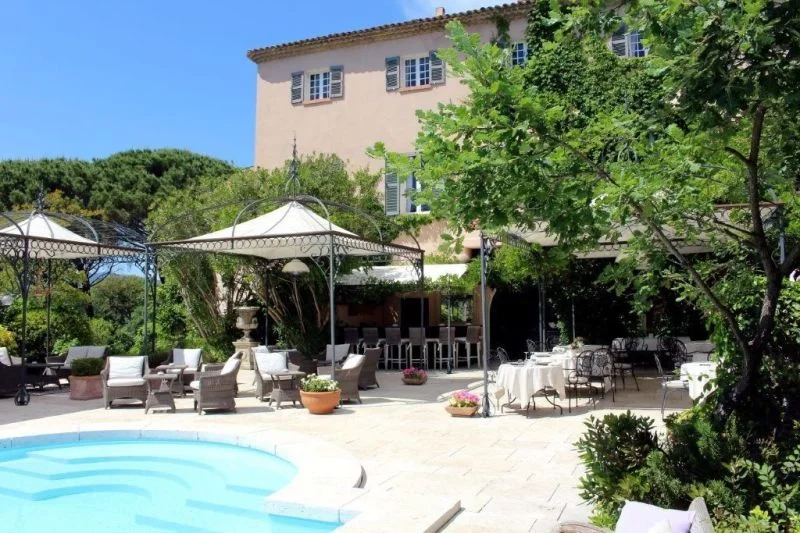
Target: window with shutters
{"points": [[519, 53], [413, 186], [319, 85], [416, 71], [628, 44]]}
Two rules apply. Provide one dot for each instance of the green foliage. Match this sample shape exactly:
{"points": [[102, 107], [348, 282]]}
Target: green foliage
{"points": [[107, 333], [87, 366], [315, 383], [62, 346], [613, 449], [116, 298], [7, 339]]}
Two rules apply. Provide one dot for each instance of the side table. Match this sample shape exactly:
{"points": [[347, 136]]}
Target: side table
{"points": [[285, 387], [161, 397], [178, 371]]}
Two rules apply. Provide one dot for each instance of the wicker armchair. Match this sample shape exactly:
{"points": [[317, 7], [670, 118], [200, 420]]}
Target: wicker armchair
{"points": [[192, 358], [215, 387], [264, 383], [367, 377], [700, 524], [348, 376], [124, 378], [9, 373]]}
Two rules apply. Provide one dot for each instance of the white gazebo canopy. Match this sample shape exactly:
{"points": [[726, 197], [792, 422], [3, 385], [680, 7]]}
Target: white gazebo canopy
{"points": [[401, 273], [290, 231], [47, 239]]}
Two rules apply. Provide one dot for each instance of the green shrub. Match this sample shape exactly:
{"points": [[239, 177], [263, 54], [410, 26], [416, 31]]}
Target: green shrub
{"points": [[613, 450], [87, 366], [7, 339], [62, 346], [315, 383]]}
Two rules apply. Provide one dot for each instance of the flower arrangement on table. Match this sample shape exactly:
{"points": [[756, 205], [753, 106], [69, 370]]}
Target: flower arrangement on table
{"points": [[577, 343], [414, 376], [315, 383]]}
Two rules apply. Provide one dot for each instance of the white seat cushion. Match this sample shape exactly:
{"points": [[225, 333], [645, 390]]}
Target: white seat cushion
{"points": [[123, 367], [353, 360], [637, 517], [187, 356], [230, 365], [271, 362], [260, 349], [4, 358], [186, 370], [125, 382], [195, 385]]}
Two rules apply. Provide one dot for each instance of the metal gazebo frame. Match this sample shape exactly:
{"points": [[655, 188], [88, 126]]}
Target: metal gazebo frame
{"points": [[85, 239], [325, 247]]}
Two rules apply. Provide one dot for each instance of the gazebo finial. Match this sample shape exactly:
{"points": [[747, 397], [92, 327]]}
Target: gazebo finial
{"points": [[293, 181]]}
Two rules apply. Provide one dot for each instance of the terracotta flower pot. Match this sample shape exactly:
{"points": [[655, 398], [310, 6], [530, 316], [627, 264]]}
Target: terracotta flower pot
{"points": [[320, 403], [415, 381], [85, 388], [461, 411]]}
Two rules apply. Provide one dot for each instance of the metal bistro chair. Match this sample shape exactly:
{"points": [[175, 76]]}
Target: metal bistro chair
{"points": [[393, 349], [351, 338], [416, 339], [673, 349], [447, 338], [603, 368], [668, 383], [532, 346], [622, 359], [581, 376]]}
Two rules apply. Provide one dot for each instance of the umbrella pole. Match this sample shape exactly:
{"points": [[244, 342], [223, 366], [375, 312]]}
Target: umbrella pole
{"points": [[155, 302], [48, 304], [485, 319], [145, 342], [23, 397], [331, 277]]}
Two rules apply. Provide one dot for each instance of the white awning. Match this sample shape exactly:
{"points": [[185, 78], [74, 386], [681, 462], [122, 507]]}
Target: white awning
{"points": [[48, 239], [401, 274]]}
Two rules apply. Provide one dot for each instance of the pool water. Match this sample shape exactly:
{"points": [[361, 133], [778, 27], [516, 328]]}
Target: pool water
{"points": [[143, 486]]}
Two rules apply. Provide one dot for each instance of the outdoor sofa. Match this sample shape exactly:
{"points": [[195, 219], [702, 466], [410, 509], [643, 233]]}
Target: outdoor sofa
{"points": [[9, 372], [215, 386], [642, 518], [76, 352]]}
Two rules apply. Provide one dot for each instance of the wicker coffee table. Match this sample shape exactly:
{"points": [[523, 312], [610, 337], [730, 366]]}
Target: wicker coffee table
{"points": [[286, 387], [159, 391], [177, 384]]}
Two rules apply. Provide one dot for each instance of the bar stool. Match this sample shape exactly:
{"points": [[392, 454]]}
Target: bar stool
{"points": [[446, 336], [351, 338], [473, 337], [416, 338], [371, 338], [393, 346]]}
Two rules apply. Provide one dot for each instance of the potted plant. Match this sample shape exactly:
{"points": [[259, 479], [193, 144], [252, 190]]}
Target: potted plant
{"points": [[463, 403], [319, 395], [84, 381], [577, 343], [414, 376]]}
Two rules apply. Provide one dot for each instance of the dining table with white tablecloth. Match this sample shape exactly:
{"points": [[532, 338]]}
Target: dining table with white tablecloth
{"points": [[696, 375], [523, 381]]}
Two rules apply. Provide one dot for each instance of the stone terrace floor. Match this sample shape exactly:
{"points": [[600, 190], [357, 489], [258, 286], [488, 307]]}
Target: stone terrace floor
{"points": [[511, 473]]}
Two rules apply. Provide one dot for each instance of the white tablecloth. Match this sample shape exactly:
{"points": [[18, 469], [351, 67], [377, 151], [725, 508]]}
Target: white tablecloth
{"points": [[696, 375], [522, 382]]}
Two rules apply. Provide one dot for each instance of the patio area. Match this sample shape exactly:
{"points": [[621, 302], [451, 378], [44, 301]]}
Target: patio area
{"points": [[510, 472]]}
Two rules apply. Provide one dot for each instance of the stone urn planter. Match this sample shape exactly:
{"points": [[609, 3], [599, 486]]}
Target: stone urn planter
{"points": [[85, 388], [320, 403], [465, 412]]}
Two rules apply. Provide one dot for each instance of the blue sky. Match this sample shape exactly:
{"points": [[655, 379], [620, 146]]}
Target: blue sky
{"points": [[89, 78]]}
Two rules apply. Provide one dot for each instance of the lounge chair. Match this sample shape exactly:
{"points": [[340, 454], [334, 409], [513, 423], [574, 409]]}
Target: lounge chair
{"points": [[76, 352], [367, 377], [124, 378], [216, 387], [348, 376], [9, 373], [191, 358], [701, 522]]}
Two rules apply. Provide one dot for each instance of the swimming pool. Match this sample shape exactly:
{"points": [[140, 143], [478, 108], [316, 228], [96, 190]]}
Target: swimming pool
{"points": [[143, 485]]}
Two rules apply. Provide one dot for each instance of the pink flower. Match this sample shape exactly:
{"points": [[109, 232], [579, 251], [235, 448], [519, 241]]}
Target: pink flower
{"points": [[464, 398], [414, 373]]}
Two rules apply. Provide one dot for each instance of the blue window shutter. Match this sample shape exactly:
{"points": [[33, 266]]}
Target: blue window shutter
{"points": [[337, 81], [437, 69], [297, 88], [391, 194], [392, 73]]}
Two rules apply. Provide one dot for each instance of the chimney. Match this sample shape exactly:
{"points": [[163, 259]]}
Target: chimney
{"points": [[439, 12]]}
